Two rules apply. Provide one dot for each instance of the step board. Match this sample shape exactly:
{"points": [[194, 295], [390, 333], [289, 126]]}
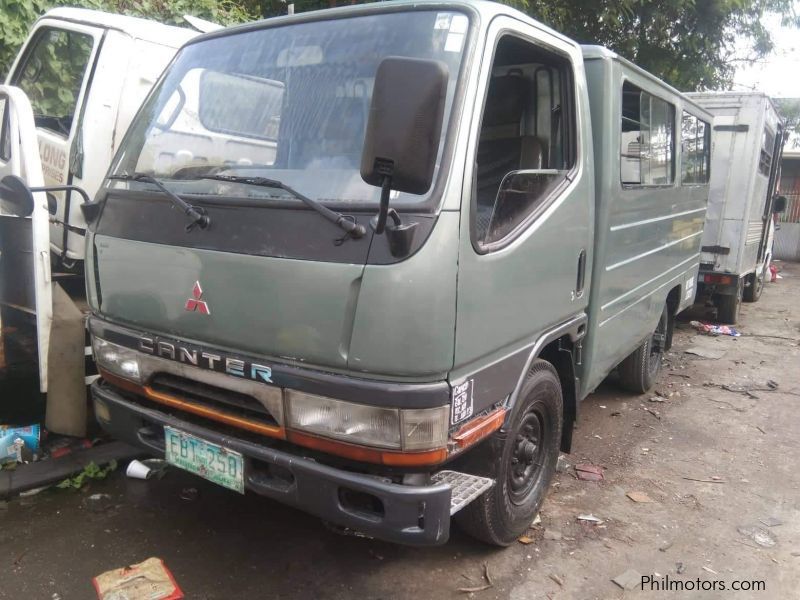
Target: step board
{"points": [[465, 487]]}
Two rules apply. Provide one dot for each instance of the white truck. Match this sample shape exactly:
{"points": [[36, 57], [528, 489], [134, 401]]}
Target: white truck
{"points": [[737, 240], [69, 97]]}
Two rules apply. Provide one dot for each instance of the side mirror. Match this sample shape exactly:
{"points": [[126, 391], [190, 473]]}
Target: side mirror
{"points": [[779, 204], [16, 197], [405, 124]]}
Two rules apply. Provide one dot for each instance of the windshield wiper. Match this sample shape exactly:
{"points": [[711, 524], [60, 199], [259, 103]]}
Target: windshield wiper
{"points": [[348, 224], [199, 217]]}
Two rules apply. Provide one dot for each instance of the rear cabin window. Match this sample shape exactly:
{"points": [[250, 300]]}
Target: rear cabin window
{"points": [[527, 141], [695, 150], [51, 75], [767, 149], [647, 142], [5, 140]]}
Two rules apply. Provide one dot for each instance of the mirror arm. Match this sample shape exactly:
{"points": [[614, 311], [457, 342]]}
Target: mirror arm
{"points": [[383, 212], [63, 188]]}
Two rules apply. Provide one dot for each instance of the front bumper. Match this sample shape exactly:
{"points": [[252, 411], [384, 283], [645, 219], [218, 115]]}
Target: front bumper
{"points": [[415, 515]]}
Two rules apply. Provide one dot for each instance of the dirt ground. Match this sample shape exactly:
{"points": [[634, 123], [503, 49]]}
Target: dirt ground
{"points": [[719, 465]]}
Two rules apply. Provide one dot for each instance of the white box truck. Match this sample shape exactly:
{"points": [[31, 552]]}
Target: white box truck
{"points": [[70, 95], [737, 239]]}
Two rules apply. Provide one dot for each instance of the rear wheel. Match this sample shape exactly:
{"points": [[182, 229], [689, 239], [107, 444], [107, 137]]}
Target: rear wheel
{"points": [[521, 458], [639, 371], [755, 285], [728, 307]]}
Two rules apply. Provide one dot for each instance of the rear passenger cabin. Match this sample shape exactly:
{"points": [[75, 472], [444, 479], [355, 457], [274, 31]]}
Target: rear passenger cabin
{"points": [[525, 148], [652, 149]]}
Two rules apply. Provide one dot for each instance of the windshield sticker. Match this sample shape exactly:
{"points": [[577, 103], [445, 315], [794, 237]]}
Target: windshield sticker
{"points": [[454, 42], [462, 401], [442, 21], [459, 24]]}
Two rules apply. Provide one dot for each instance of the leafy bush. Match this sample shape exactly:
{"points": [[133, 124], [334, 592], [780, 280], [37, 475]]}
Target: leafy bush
{"points": [[17, 16]]}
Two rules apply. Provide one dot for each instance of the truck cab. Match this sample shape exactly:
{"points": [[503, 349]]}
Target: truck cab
{"points": [[346, 260]]}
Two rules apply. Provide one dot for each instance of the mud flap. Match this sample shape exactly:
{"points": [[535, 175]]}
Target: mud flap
{"points": [[66, 398]]}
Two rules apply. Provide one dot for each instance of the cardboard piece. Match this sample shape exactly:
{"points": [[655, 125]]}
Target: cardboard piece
{"points": [[148, 580]]}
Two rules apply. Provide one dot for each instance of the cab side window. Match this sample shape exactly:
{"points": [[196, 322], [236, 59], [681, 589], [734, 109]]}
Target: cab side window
{"points": [[767, 149], [647, 139], [51, 75], [527, 141], [5, 141], [695, 150]]}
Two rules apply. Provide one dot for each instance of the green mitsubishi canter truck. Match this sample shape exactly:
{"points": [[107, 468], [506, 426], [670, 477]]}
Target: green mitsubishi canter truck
{"points": [[368, 261]]}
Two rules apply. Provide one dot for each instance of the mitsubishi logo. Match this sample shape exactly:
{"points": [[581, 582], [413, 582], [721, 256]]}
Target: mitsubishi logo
{"points": [[195, 303]]}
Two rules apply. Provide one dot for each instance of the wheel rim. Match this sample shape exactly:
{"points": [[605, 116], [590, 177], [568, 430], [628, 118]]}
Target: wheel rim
{"points": [[657, 343], [527, 457]]}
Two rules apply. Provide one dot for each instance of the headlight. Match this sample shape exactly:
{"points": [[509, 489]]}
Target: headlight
{"points": [[399, 429], [116, 359]]}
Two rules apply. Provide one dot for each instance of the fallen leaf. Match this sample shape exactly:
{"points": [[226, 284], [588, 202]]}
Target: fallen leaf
{"points": [[639, 497]]}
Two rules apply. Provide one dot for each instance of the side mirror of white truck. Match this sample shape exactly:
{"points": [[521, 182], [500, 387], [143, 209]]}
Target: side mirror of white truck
{"points": [[779, 204], [16, 197]]}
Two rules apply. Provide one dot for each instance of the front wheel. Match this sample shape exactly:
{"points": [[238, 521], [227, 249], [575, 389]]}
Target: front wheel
{"points": [[639, 371], [521, 458]]}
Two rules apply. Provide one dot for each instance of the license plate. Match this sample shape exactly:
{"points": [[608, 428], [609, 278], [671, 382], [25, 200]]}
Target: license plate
{"points": [[210, 461]]}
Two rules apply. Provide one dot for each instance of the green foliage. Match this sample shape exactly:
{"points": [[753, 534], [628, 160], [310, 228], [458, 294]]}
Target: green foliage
{"points": [[91, 471], [790, 110], [17, 16], [689, 43]]}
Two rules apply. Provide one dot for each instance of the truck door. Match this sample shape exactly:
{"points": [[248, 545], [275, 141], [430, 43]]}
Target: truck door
{"points": [[54, 71], [526, 217], [25, 280]]}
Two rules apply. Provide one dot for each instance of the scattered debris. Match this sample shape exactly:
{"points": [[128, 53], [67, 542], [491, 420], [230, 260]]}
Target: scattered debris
{"points": [[748, 390], [98, 502], [652, 412], [556, 578], [639, 497], [486, 576], [629, 580], [680, 568], [19, 444], [666, 546], [712, 480], [148, 580], [589, 472], [590, 519], [658, 399], [138, 470], [562, 466], [771, 521], [710, 570], [524, 539], [712, 329], [552, 535], [64, 446], [332, 527], [705, 352], [760, 536], [616, 413], [536, 520], [91, 471]]}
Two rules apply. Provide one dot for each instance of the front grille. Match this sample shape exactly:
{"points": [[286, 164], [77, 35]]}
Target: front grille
{"points": [[203, 394]]}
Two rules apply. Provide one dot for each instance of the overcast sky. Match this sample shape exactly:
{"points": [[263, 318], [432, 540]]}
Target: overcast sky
{"points": [[778, 74]]}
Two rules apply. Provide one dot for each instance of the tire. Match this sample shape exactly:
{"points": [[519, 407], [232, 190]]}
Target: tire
{"points": [[521, 458], [755, 285], [639, 371], [728, 307]]}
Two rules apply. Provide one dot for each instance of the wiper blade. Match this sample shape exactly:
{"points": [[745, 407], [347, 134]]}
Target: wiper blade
{"points": [[353, 229], [197, 215]]}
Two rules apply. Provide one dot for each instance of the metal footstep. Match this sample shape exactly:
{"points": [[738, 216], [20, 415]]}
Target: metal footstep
{"points": [[465, 487]]}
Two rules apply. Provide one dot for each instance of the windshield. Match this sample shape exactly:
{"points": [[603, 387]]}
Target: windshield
{"points": [[289, 103]]}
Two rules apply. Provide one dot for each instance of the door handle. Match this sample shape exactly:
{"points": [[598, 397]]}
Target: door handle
{"points": [[581, 276]]}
